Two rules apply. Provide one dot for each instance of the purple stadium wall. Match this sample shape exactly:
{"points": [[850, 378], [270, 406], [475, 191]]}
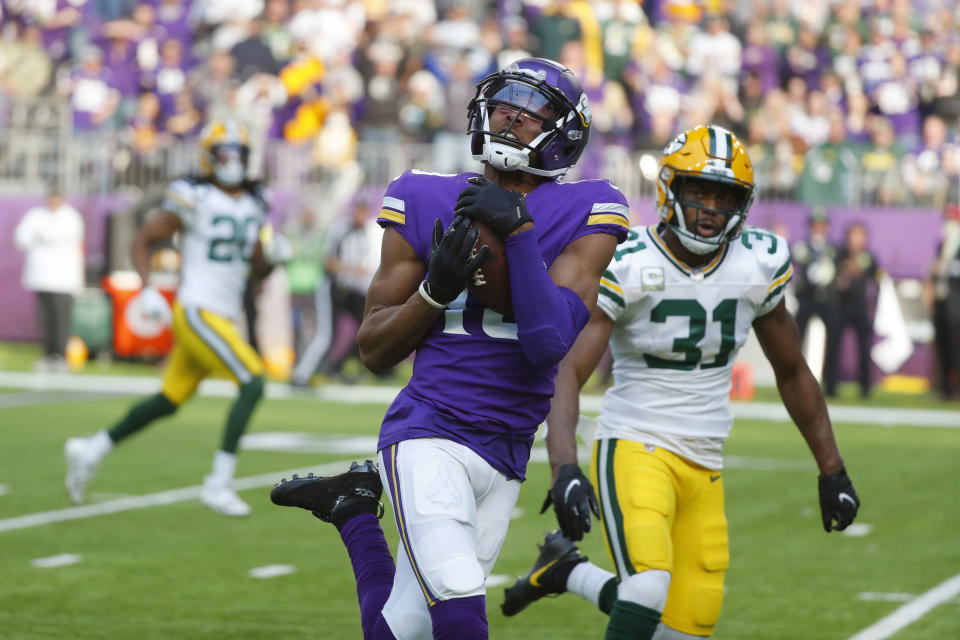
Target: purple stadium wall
{"points": [[905, 241]]}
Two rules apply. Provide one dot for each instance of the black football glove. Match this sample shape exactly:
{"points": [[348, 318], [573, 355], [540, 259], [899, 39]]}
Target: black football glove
{"points": [[503, 210], [573, 500], [838, 501], [452, 260]]}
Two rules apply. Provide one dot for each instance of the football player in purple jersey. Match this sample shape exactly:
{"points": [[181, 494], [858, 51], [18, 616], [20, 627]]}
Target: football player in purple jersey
{"points": [[454, 444]]}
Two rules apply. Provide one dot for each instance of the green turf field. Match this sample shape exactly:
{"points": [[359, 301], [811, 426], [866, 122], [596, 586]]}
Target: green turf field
{"points": [[181, 571]]}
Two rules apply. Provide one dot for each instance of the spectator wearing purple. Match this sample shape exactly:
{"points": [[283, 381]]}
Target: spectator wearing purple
{"points": [[173, 16], [170, 76], [873, 58], [147, 36], [93, 98], [658, 93], [759, 57], [896, 98], [186, 119], [55, 18], [120, 62], [807, 58]]}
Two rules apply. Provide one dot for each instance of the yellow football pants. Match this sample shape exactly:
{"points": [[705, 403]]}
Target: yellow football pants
{"points": [[660, 511], [206, 343]]}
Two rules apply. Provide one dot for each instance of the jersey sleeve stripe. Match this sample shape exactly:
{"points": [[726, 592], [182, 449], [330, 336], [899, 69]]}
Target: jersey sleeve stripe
{"points": [[774, 293], [393, 216], [784, 279], [611, 285], [611, 207], [782, 270], [609, 218], [606, 291], [396, 204], [611, 276]]}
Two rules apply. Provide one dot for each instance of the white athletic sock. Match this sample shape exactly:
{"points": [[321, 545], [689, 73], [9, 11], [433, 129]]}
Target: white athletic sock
{"points": [[100, 445], [224, 466], [586, 580]]}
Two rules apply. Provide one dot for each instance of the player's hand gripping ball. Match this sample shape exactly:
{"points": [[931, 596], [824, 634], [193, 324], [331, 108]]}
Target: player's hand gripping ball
{"points": [[491, 282]]}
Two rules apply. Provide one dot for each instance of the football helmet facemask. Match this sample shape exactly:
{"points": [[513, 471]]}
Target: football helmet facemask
{"points": [[224, 152], [537, 88], [702, 159]]}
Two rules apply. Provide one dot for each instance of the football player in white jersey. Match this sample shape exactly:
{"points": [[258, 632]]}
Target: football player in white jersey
{"points": [[218, 216], [675, 306]]}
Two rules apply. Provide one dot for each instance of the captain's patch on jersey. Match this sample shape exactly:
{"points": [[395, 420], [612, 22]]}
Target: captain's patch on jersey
{"points": [[652, 279]]}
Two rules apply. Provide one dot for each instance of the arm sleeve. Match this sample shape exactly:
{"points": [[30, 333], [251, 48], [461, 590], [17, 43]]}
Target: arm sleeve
{"points": [[779, 269], [549, 317]]}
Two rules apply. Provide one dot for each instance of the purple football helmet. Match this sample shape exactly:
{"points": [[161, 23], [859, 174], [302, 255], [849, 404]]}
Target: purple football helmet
{"points": [[540, 88]]}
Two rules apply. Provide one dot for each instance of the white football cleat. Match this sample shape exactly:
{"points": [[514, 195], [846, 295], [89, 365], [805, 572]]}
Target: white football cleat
{"points": [[81, 467], [221, 497]]}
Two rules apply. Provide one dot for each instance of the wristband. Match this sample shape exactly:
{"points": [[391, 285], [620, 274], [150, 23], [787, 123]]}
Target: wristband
{"points": [[422, 290]]}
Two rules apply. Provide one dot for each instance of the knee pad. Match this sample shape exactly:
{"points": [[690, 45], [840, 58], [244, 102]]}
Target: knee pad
{"points": [[252, 391], [647, 588], [460, 577]]}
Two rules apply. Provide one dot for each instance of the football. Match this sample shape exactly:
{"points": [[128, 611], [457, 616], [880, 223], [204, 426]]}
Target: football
{"points": [[491, 282]]}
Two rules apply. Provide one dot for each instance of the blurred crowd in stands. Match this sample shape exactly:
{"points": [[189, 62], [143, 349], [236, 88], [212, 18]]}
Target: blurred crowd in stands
{"points": [[840, 101]]}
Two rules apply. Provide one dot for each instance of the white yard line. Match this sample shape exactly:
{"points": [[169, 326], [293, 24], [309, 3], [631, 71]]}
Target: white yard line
{"points": [[360, 394], [155, 499], [912, 611]]}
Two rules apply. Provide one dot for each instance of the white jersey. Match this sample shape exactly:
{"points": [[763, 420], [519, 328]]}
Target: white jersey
{"points": [[219, 234], [676, 335]]}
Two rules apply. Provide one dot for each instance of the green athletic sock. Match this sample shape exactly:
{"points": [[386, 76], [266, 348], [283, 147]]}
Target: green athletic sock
{"points": [[608, 596], [240, 413], [631, 621], [140, 415]]}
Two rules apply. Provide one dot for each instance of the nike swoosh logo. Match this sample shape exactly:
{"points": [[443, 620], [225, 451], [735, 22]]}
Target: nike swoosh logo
{"points": [[714, 478], [844, 496], [535, 576], [566, 494]]}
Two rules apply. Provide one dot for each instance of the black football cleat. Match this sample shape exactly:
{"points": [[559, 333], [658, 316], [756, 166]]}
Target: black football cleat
{"points": [[558, 555], [333, 498]]}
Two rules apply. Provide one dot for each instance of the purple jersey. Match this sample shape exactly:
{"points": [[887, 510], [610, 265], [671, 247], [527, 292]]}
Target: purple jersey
{"points": [[471, 381]]}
